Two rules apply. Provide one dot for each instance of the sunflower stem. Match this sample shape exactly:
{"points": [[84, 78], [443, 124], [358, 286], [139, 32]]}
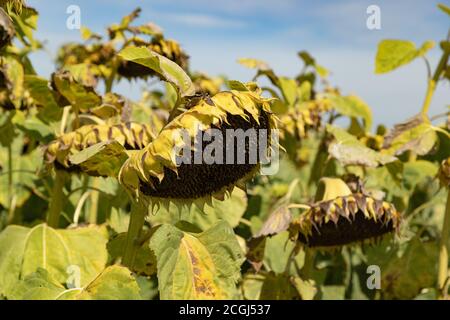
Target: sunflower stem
{"points": [[56, 200], [93, 210], [308, 266], [444, 250], [10, 185], [433, 82], [137, 219]]}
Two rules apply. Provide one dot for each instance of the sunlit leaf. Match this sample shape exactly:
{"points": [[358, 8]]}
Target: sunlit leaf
{"points": [[392, 54], [24, 250], [166, 68], [197, 265]]}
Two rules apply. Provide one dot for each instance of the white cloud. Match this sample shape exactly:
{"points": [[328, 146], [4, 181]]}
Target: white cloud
{"points": [[201, 20]]}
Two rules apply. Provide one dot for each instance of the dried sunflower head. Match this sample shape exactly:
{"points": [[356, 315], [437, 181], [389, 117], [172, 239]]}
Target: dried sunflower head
{"points": [[154, 175], [167, 48], [340, 219], [74, 53], [131, 136]]}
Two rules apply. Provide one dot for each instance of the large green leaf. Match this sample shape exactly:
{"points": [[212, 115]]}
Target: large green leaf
{"points": [[350, 151], [24, 169], [392, 54], [24, 250], [277, 253], [202, 265], [406, 271], [114, 283], [167, 69], [33, 127], [231, 210]]}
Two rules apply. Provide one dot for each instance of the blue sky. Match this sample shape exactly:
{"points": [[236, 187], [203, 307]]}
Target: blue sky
{"points": [[216, 33]]}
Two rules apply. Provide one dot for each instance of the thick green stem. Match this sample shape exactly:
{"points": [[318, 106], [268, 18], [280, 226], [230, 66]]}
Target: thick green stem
{"points": [[444, 248], [308, 266], [93, 209], [433, 81], [137, 219], [56, 201]]}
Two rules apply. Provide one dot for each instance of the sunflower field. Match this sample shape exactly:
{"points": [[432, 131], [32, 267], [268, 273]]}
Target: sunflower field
{"points": [[93, 204]]}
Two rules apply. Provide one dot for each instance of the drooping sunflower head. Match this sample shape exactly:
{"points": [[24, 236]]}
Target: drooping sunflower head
{"points": [[341, 217], [155, 175], [167, 48], [131, 136]]}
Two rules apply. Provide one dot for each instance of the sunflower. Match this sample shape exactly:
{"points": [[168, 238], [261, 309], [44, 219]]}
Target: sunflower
{"points": [[340, 217], [153, 174], [131, 136]]}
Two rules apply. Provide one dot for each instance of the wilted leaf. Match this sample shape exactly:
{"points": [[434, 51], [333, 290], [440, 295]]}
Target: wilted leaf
{"points": [[104, 158], [349, 151], [202, 265], [167, 69], [277, 222], [392, 54], [24, 250], [415, 134], [76, 94]]}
